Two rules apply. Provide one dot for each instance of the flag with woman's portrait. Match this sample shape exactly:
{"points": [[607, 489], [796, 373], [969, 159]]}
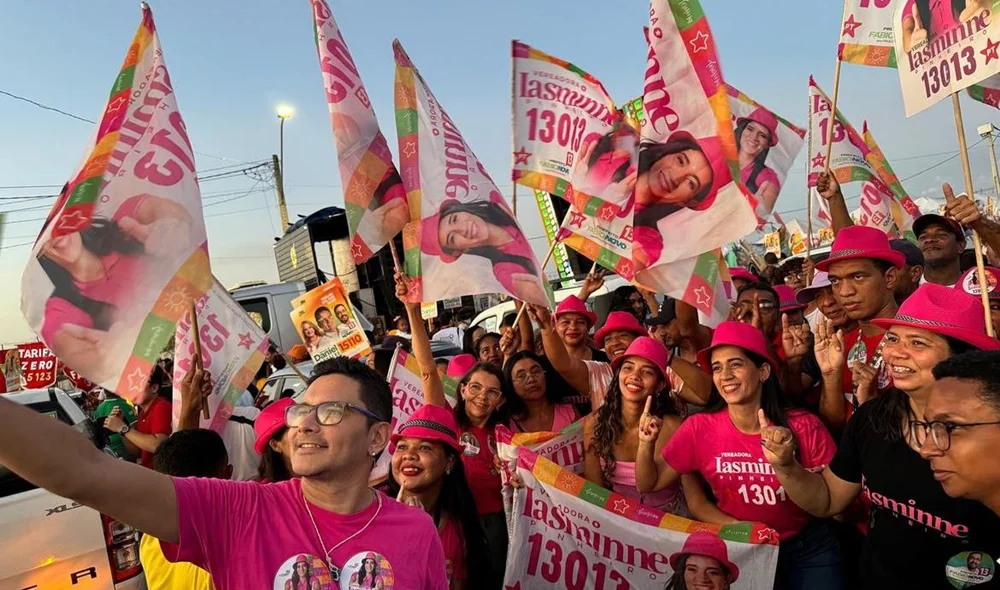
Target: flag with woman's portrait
{"points": [[123, 253], [687, 199], [374, 198], [467, 240]]}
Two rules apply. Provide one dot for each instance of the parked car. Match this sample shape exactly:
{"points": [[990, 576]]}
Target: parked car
{"points": [[50, 542]]}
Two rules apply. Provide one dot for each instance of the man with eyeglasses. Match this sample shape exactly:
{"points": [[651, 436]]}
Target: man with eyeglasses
{"points": [[246, 534], [962, 433]]}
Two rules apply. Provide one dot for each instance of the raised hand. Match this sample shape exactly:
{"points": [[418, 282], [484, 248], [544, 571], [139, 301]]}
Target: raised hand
{"points": [[830, 351], [863, 378], [402, 286], [540, 315], [115, 421], [794, 339], [974, 8], [827, 186], [777, 442], [649, 425], [960, 208], [591, 283]]}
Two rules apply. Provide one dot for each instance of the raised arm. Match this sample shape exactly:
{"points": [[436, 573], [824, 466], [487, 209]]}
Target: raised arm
{"points": [[697, 383], [690, 327], [652, 473], [421, 343], [53, 456], [591, 283], [829, 189], [573, 370]]}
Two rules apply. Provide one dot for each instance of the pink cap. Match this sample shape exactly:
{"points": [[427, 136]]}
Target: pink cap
{"points": [[709, 545], [649, 349], [739, 335], [572, 304], [945, 311], [619, 321], [460, 364], [858, 242], [269, 422], [738, 272], [969, 282], [805, 295], [786, 296], [767, 119], [429, 423]]}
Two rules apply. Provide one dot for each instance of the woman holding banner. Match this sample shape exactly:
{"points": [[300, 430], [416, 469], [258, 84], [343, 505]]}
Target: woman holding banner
{"points": [[482, 395], [484, 229], [723, 445], [756, 134]]}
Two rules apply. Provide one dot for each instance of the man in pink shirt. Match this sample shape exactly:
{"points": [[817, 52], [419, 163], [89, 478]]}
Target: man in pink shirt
{"points": [[325, 526]]}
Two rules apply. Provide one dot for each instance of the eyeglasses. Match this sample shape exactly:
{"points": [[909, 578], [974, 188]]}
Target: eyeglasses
{"points": [[477, 389], [940, 431], [327, 413], [537, 373], [795, 276]]}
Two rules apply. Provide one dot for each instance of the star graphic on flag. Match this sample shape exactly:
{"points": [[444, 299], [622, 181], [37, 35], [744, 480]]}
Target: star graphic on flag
{"points": [[607, 214], [245, 341], [850, 26], [702, 297], [410, 149], [621, 505], [577, 219], [700, 42], [72, 221], [115, 105], [819, 161], [625, 269], [136, 380], [356, 251], [993, 100], [990, 53], [521, 156]]}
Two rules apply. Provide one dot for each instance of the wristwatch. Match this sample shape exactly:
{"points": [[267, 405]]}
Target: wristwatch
{"points": [[124, 429]]}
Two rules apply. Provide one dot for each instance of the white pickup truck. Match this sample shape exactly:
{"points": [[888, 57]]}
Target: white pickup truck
{"points": [[48, 542]]}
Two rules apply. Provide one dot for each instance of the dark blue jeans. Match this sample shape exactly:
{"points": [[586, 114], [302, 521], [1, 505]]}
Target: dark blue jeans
{"points": [[810, 560]]}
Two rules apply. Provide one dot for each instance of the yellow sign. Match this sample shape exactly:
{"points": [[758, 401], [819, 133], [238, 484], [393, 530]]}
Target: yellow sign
{"points": [[294, 256]]}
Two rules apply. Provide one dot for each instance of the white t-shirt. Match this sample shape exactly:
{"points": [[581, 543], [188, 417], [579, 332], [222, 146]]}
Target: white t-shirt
{"points": [[454, 336], [238, 437]]}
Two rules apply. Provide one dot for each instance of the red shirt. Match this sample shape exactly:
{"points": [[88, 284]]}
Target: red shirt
{"points": [[855, 353], [155, 420], [454, 550], [478, 450]]}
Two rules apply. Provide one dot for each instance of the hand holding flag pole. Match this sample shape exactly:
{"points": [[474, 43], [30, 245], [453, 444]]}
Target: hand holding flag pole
{"points": [[196, 333]]}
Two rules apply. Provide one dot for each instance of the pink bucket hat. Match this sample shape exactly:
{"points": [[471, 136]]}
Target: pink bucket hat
{"points": [[429, 423], [619, 321], [572, 304], [787, 298], [859, 242], [969, 283], [945, 311], [649, 349], [739, 335], [805, 295], [269, 422], [460, 364], [738, 272], [709, 545], [765, 118]]}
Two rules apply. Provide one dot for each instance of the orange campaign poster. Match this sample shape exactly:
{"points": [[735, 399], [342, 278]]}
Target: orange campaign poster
{"points": [[324, 319]]}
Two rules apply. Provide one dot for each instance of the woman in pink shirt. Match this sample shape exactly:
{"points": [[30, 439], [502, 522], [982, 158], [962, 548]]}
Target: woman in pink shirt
{"points": [[611, 434], [756, 134], [427, 472], [723, 445], [534, 407]]}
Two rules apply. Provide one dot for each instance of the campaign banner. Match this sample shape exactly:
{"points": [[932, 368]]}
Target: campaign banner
{"points": [[848, 161], [10, 364], [987, 91], [606, 239], [564, 448], [875, 209], [38, 365], [904, 210], [232, 350], [79, 381], [576, 534], [866, 36], [687, 198], [551, 225], [942, 48], [766, 147], [374, 197], [702, 281], [467, 241], [569, 136], [326, 324], [133, 214]]}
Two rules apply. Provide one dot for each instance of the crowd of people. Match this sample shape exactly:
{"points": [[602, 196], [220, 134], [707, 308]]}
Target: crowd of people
{"points": [[858, 390]]}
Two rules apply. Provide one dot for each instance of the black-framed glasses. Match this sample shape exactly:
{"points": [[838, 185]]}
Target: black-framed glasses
{"points": [[940, 431], [327, 413]]}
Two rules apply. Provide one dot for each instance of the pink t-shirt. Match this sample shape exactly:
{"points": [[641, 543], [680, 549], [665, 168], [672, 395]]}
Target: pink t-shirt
{"points": [[454, 551], [564, 415], [601, 374], [734, 466], [478, 451], [505, 271], [251, 535], [766, 175]]}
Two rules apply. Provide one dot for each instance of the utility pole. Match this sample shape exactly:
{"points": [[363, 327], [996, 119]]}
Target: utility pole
{"points": [[279, 184], [986, 132]]}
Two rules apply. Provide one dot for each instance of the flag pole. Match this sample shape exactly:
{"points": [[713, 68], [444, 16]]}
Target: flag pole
{"points": [[831, 119], [195, 331], [809, 201], [963, 151], [395, 256], [513, 126]]}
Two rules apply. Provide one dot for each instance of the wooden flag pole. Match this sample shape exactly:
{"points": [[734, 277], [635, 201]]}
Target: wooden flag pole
{"points": [[513, 125], [195, 331], [831, 120], [809, 200], [395, 256], [291, 363], [963, 151]]}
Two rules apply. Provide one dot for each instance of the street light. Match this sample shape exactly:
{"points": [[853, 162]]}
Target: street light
{"points": [[986, 132], [284, 112]]}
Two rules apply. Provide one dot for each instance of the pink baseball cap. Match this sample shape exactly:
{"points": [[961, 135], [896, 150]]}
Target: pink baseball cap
{"points": [[709, 545], [460, 364], [739, 335], [269, 422], [945, 311], [787, 298], [738, 272], [859, 242], [805, 295], [649, 349], [429, 423], [573, 304], [765, 118], [619, 321]]}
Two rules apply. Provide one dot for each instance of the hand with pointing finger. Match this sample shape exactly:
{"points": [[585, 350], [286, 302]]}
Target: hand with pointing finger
{"points": [[649, 425], [960, 208], [777, 442]]}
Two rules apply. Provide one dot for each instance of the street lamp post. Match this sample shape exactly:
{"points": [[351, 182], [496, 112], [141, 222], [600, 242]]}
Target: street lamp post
{"points": [[284, 112]]}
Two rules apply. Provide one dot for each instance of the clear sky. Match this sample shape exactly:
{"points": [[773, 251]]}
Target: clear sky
{"points": [[232, 63]]}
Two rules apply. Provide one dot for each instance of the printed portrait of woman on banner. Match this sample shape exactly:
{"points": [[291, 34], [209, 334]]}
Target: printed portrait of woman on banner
{"points": [[486, 229], [702, 564], [756, 134], [923, 20], [314, 338], [102, 267], [302, 577], [606, 167], [681, 173]]}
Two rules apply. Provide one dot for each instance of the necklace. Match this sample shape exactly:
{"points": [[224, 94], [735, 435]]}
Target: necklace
{"points": [[334, 570]]}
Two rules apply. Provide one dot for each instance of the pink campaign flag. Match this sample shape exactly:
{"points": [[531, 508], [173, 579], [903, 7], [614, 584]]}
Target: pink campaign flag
{"points": [[866, 34], [374, 197], [467, 240], [123, 252]]}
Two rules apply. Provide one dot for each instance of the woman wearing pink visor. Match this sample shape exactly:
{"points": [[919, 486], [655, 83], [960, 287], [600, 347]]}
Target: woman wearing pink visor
{"points": [[427, 473], [915, 529], [722, 444]]}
